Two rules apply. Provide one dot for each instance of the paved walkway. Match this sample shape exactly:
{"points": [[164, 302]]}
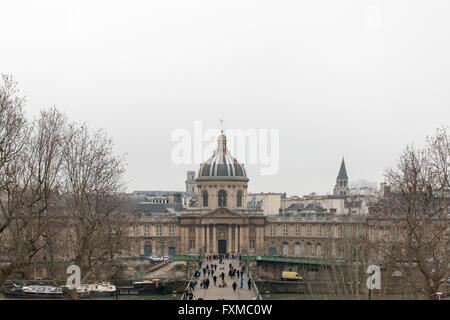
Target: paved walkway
{"points": [[215, 292]]}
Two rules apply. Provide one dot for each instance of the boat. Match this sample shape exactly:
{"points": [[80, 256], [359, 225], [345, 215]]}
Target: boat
{"points": [[102, 289], [34, 291], [145, 287]]}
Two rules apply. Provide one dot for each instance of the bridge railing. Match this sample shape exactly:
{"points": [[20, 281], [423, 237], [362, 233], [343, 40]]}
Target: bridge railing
{"points": [[291, 259], [257, 294], [196, 258]]}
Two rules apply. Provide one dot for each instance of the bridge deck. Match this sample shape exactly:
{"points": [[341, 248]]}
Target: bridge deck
{"points": [[215, 292]]}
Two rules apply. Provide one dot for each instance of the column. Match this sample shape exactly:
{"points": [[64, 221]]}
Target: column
{"points": [[214, 245], [258, 244], [230, 239], [207, 249], [236, 239], [197, 238], [186, 230], [183, 239], [202, 237]]}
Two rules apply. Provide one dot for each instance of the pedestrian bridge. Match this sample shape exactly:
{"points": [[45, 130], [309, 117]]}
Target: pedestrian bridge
{"points": [[214, 292]]}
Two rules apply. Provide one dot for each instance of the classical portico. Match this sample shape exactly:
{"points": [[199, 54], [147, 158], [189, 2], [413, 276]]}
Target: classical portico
{"points": [[222, 231]]}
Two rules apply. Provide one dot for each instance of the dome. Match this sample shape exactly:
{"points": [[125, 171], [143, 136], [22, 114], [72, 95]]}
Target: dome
{"points": [[222, 166]]}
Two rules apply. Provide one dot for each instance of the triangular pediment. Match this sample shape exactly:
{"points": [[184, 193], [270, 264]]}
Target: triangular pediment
{"points": [[223, 212]]}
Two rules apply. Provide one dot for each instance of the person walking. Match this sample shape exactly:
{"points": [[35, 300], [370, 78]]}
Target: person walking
{"points": [[234, 286], [242, 283], [215, 279], [249, 282]]}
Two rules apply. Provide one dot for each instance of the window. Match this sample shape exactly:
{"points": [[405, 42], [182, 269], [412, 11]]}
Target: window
{"points": [[318, 250], [171, 230], [308, 231], [147, 230], [136, 230], [272, 230], [285, 230], [222, 198], [158, 230], [191, 228], [319, 230], [205, 198], [252, 244], [341, 251], [147, 248], [297, 249], [308, 249], [297, 231], [252, 229], [342, 231], [192, 244], [285, 249], [239, 199]]}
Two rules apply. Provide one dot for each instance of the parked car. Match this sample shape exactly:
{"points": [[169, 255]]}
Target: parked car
{"points": [[155, 258]]}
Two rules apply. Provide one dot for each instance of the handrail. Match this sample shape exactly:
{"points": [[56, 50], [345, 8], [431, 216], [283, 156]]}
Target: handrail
{"points": [[291, 259], [258, 295], [189, 282]]}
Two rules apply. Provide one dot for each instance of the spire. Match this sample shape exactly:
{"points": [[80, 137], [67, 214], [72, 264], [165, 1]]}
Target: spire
{"points": [[342, 171]]}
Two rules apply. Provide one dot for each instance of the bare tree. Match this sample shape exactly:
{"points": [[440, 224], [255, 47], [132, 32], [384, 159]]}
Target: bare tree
{"points": [[349, 255], [29, 172], [93, 184], [413, 222]]}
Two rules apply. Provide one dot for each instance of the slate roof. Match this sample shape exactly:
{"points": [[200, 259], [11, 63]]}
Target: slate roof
{"points": [[137, 202], [342, 171]]}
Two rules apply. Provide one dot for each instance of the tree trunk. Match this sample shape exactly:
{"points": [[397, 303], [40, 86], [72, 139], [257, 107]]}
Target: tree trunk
{"points": [[4, 274]]}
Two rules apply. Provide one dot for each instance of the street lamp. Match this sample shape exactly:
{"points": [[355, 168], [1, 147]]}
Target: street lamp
{"points": [[267, 294]]}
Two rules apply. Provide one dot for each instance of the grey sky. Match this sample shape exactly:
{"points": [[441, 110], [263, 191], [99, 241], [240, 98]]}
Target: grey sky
{"points": [[322, 72]]}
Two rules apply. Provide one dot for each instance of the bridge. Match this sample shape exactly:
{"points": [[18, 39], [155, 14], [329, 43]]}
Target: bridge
{"points": [[214, 292], [305, 261]]}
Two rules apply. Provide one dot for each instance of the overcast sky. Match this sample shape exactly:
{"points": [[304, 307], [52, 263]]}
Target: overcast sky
{"points": [[359, 79]]}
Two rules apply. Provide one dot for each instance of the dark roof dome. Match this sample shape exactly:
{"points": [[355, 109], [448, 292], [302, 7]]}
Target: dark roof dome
{"points": [[222, 166]]}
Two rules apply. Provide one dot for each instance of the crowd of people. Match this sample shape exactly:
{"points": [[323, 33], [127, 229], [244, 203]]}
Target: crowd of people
{"points": [[208, 265]]}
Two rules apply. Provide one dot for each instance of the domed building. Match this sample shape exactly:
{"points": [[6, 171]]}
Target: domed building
{"points": [[221, 222], [222, 180]]}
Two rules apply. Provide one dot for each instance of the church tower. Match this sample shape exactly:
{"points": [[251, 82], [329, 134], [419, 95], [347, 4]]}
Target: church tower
{"points": [[341, 188]]}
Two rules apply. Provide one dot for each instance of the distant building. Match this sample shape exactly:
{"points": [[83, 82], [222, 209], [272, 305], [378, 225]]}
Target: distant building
{"points": [[364, 191], [385, 189], [269, 202], [191, 185], [341, 188]]}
